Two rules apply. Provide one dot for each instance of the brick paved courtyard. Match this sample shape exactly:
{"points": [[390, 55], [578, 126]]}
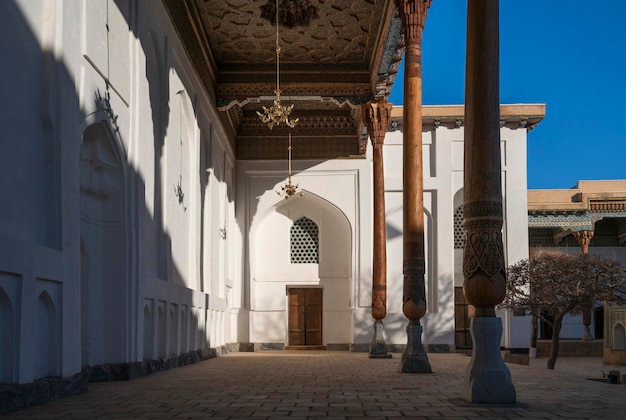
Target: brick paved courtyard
{"points": [[339, 385]]}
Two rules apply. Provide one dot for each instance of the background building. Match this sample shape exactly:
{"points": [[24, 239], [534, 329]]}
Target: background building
{"points": [[590, 217]]}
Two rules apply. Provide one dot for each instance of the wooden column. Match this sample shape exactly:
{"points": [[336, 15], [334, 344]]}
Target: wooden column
{"points": [[413, 15], [483, 257], [583, 237], [487, 379], [377, 116]]}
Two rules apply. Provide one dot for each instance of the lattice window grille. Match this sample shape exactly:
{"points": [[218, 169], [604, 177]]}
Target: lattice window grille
{"points": [[459, 229], [304, 237]]}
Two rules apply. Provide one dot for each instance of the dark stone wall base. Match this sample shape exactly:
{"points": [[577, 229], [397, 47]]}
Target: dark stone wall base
{"points": [[17, 397], [269, 346], [134, 370], [14, 397], [571, 348]]}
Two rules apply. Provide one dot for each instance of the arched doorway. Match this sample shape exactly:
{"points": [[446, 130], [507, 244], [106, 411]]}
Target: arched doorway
{"points": [[300, 279]]}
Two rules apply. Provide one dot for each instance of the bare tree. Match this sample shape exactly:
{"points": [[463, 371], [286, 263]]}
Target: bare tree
{"points": [[551, 285]]}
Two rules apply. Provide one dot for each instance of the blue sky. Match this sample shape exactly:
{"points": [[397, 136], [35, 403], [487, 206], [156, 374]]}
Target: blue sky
{"points": [[568, 54]]}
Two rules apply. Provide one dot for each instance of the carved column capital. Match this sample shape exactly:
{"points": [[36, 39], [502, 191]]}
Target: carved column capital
{"points": [[583, 237], [413, 15], [376, 117]]}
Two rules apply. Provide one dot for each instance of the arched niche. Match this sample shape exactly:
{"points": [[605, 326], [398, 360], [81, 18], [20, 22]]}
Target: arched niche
{"points": [[273, 272], [271, 239], [46, 348], [618, 337], [193, 328], [184, 340], [148, 331], [395, 252], [162, 332], [459, 238], [7, 332], [103, 245], [173, 330]]}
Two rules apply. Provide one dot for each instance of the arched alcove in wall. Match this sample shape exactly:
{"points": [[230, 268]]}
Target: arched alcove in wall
{"points": [[173, 330], [7, 332], [148, 332], [395, 255], [277, 273], [162, 331], [432, 284], [102, 232], [462, 335], [184, 341], [193, 328], [46, 337], [618, 337], [459, 238]]}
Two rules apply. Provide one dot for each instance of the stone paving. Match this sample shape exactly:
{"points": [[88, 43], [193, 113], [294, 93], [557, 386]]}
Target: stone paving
{"points": [[340, 385]]}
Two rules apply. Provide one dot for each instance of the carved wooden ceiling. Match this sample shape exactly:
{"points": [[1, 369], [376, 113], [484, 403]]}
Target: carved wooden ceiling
{"points": [[345, 53]]}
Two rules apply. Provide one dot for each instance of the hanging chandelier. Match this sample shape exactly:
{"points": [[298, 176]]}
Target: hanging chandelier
{"points": [[277, 114], [289, 189]]}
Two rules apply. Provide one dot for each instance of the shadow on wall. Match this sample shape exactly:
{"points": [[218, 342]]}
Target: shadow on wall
{"points": [[79, 214], [438, 334]]}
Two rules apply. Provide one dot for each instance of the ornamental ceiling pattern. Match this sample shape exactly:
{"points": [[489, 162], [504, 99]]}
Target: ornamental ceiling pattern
{"points": [[342, 54], [344, 34]]}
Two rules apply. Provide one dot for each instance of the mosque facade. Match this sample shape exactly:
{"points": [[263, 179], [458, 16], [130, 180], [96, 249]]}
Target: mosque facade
{"points": [[137, 230]]}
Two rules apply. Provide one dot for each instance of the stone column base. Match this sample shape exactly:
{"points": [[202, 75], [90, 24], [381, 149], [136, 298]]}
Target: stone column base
{"points": [[414, 357], [487, 379], [378, 348]]}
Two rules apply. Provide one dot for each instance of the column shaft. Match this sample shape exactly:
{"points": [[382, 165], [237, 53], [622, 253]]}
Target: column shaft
{"points": [[483, 260], [413, 15], [487, 379], [377, 117]]}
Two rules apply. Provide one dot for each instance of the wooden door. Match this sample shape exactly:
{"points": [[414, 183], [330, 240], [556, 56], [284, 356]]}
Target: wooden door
{"points": [[462, 336], [305, 317]]}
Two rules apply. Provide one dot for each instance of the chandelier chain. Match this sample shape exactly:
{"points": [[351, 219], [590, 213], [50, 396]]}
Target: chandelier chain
{"points": [[277, 114]]}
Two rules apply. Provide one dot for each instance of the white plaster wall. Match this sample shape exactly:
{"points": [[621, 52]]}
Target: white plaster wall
{"points": [[443, 180], [334, 197], [37, 251], [437, 167], [516, 329], [119, 64]]}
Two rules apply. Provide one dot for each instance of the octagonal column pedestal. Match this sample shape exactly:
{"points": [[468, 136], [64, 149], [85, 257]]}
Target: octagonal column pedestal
{"points": [[487, 379], [378, 349], [414, 358]]}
